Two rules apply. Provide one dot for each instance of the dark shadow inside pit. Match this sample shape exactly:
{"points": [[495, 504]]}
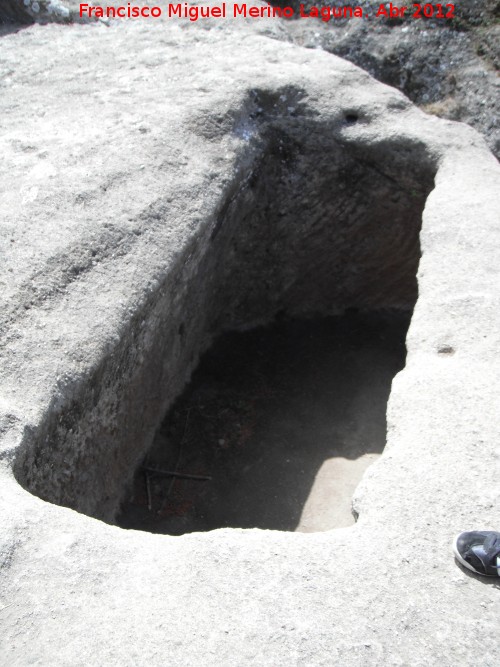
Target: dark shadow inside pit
{"points": [[279, 423]]}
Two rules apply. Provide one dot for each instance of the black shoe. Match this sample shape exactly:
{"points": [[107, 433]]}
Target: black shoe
{"points": [[479, 551]]}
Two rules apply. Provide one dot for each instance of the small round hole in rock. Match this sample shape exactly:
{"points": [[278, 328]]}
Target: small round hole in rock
{"points": [[351, 118]]}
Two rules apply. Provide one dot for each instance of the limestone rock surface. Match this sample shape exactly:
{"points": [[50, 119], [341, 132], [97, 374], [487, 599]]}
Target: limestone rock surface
{"points": [[449, 67], [144, 167]]}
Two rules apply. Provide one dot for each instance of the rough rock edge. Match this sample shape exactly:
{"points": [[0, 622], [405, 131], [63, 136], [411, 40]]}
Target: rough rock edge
{"points": [[34, 11]]}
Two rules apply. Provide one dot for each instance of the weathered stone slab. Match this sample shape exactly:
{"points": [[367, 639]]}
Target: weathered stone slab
{"points": [[155, 175]]}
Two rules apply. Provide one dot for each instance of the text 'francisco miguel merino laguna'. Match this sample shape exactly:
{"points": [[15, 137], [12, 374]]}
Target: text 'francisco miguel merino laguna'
{"points": [[238, 10]]}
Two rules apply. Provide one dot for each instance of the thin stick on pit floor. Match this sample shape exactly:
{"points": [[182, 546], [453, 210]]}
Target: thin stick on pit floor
{"points": [[148, 485], [171, 473], [148, 491], [175, 471]]}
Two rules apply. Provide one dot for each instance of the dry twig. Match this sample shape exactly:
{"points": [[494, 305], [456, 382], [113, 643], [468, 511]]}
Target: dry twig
{"points": [[148, 491], [171, 473]]}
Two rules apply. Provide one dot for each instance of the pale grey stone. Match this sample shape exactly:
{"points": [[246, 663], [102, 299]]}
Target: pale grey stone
{"points": [[157, 173]]}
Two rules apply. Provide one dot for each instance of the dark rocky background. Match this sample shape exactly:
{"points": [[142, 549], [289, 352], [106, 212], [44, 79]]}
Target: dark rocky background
{"points": [[25, 12]]}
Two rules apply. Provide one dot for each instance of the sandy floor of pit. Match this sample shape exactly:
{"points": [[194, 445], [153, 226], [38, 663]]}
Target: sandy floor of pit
{"points": [[282, 422]]}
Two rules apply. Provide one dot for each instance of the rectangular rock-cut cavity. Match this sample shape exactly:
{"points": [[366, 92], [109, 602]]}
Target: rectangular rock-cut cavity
{"points": [[315, 223]]}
